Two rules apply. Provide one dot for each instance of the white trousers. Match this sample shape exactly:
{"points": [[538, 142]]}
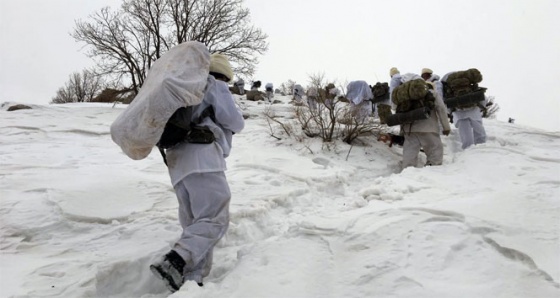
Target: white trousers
{"points": [[204, 215], [471, 132], [431, 142]]}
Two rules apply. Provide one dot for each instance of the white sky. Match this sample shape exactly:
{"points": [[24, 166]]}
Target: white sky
{"points": [[515, 44]]}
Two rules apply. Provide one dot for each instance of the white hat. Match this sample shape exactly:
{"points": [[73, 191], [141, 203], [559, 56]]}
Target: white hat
{"points": [[426, 70], [220, 64], [393, 71]]}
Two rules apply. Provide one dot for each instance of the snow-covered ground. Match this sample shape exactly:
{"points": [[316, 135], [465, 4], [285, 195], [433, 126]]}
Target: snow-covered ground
{"points": [[80, 219]]}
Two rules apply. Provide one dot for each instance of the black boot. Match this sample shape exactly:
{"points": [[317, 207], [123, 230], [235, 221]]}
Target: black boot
{"points": [[170, 269]]}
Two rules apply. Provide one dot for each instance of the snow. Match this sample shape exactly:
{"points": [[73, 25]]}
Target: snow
{"points": [[78, 218]]}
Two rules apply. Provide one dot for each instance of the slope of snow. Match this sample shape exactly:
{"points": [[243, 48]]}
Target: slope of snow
{"points": [[78, 218]]}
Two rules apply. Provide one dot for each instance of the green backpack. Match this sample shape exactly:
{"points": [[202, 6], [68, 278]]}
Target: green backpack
{"points": [[461, 89], [414, 102], [412, 95], [380, 92]]}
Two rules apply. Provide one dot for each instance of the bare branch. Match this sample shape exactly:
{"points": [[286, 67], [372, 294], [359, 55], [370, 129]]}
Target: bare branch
{"points": [[126, 42]]}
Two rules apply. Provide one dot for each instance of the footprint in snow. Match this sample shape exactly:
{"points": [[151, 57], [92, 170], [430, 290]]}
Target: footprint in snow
{"points": [[321, 161]]}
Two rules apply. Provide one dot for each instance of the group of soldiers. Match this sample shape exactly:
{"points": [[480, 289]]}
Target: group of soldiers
{"points": [[254, 94], [419, 134]]}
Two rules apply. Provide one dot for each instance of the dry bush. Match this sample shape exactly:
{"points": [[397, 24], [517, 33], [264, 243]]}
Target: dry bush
{"points": [[287, 88], [359, 126], [330, 118], [271, 118], [492, 108]]}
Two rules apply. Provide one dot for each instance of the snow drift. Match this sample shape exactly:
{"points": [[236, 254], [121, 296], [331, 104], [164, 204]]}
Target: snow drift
{"points": [[79, 218]]}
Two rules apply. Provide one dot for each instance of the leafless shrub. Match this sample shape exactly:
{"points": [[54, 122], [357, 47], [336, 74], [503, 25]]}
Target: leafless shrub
{"points": [[327, 116], [287, 88], [270, 117], [492, 108], [322, 112], [358, 126]]}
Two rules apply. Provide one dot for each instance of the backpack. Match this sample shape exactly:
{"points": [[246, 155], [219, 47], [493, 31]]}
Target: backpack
{"points": [[461, 90], [414, 102], [380, 92], [180, 128]]}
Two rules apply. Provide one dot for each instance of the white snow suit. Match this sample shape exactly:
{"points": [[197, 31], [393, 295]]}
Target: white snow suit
{"points": [[197, 174], [298, 93], [359, 94], [396, 81], [426, 134], [469, 123], [434, 78]]}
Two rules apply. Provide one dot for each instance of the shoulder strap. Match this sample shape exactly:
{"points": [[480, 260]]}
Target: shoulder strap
{"points": [[162, 151], [208, 112], [182, 118]]}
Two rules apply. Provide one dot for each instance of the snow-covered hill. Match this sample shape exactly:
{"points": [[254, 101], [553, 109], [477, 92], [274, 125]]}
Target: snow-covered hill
{"points": [[78, 218]]}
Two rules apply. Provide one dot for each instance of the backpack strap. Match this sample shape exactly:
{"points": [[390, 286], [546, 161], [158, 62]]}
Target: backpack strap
{"points": [[208, 112], [182, 118], [184, 121], [162, 152]]}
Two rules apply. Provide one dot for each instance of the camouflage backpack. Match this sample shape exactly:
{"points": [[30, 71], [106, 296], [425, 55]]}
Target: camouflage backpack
{"points": [[461, 89], [380, 94], [412, 95]]}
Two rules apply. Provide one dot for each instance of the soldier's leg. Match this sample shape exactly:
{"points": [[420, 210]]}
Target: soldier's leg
{"points": [[411, 148]]}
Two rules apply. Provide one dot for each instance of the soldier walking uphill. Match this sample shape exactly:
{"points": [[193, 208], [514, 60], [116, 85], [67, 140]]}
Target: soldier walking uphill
{"points": [[197, 173]]}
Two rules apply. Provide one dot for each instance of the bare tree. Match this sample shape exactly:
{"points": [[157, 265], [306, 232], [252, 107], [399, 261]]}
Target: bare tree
{"points": [[126, 42], [81, 87]]}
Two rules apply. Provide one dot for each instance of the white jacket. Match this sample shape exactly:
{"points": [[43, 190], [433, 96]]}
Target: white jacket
{"points": [[187, 158], [395, 82], [438, 114], [438, 85]]}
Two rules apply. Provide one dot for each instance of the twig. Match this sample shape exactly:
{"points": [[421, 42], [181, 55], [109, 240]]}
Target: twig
{"points": [[349, 152]]}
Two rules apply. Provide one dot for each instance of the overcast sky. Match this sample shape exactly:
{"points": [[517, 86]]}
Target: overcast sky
{"points": [[514, 43]]}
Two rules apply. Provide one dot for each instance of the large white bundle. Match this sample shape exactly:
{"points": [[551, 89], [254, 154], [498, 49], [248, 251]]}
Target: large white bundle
{"points": [[177, 79], [358, 91]]}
